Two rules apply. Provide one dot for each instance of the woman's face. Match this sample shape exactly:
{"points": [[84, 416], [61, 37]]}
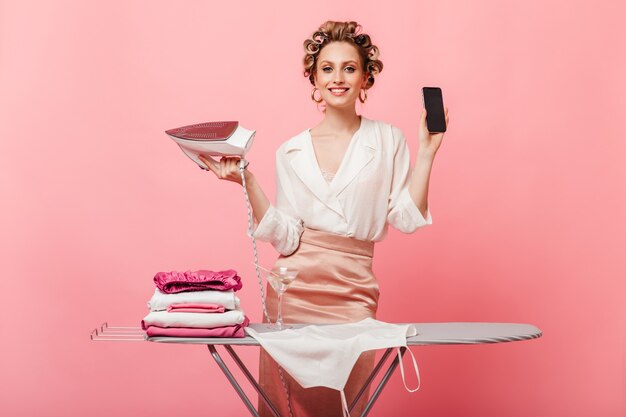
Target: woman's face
{"points": [[339, 76]]}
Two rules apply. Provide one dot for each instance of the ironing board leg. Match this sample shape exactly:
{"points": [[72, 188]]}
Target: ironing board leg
{"points": [[252, 381], [383, 382], [235, 385], [267, 401], [370, 378]]}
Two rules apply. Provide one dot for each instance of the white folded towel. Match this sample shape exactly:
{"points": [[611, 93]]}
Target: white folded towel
{"points": [[198, 320], [160, 301]]}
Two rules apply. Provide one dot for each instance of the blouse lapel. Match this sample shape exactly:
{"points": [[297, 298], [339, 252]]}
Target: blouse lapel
{"points": [[306, 168], [356, 158]]}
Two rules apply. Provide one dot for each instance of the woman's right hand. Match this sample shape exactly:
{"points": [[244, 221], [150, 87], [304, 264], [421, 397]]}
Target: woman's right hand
{"points": [[227, 168]]}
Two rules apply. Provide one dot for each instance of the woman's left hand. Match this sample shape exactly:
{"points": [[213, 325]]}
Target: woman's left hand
{"points": [[429, 142]]}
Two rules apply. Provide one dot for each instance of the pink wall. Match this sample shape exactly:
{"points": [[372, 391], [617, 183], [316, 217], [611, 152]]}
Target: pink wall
{"points": [[527, 193]]}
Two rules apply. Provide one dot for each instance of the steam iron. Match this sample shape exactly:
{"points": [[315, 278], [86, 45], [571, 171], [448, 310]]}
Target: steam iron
{"points": [[213, 139]]}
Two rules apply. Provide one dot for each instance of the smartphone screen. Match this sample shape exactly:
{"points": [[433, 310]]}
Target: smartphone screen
{"points": [[433, 102]]}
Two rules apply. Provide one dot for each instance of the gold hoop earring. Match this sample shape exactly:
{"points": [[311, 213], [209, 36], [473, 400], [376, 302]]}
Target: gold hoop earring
{"points": [[313, 96], [362, 100]]}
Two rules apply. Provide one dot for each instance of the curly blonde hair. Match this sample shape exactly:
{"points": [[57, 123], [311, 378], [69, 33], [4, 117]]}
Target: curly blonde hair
{"points": [[332, 31]]}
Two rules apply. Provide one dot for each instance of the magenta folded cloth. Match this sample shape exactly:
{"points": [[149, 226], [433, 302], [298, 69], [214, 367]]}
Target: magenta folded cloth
{"points": [[195, 308], [174, 282], [236, 330]]}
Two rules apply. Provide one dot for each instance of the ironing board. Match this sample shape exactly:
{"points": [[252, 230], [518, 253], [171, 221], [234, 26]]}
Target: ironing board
{"points": [[460, 333]]}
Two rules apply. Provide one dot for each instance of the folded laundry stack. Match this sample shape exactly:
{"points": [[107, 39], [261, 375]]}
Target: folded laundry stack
{"points": [[195, 304]]}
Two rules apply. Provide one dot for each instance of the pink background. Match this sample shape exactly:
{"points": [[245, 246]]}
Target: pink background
{"points": [[527, 194]]}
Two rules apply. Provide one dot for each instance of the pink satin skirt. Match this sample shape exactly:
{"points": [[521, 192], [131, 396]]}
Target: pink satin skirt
{"points": [[335, 284]]}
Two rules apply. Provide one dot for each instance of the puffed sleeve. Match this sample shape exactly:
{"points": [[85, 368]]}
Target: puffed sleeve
{"points": [[403, 214], [281, 225]]}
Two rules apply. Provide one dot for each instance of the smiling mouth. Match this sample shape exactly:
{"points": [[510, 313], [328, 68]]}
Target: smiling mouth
{"points": [[338, 90]]}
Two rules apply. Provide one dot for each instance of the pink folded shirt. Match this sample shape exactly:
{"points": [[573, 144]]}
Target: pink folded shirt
{"points": [[201, 280], [236, 330], [195, 308]]}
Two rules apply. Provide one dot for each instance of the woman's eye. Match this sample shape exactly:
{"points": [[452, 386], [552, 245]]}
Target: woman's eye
{"points": [[350, 69]]}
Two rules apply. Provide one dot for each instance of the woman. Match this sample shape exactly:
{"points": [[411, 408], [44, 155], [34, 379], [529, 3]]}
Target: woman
{"points": [[339, 185]]}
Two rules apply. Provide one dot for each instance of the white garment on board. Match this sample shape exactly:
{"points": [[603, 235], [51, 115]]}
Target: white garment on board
{"points": [[197, 320], [160, 301], [324, 355]]}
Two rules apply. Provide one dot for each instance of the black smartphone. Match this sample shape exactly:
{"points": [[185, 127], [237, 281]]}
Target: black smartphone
{"points": [[435, 115]]}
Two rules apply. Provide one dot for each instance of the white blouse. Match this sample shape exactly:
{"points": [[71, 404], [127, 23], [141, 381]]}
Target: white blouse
{"points": [[368, 192]]}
